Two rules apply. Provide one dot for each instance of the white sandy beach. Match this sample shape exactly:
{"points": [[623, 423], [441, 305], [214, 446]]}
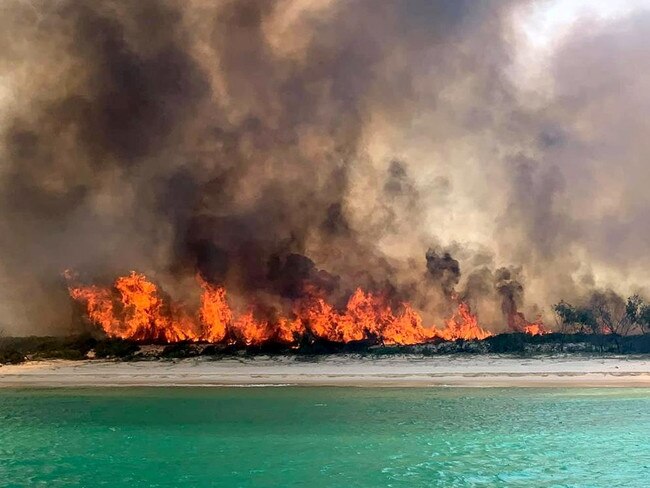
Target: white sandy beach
{"points": [[476, 371]]}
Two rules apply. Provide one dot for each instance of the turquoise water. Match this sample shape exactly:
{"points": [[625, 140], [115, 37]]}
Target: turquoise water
{"points": [[325, 437]]}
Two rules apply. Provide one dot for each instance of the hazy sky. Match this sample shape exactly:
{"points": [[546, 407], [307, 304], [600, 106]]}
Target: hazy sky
{"points": [[542, 25]]}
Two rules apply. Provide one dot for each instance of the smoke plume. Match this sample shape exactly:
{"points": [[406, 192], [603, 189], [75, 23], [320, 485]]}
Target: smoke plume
{"points": [[281, 146]]}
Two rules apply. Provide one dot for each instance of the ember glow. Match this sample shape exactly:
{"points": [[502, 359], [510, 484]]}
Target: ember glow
{"points": [[133, 308]]}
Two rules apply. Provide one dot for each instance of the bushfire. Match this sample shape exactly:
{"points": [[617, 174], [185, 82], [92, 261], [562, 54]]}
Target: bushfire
{"points": [[133, 308]]}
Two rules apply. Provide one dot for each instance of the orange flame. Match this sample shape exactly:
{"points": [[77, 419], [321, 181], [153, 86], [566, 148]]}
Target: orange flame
{"points": [[366, 315], [518, 323], [463, 325], [407, 328], [99, 307], [250, 331], [289, 331], [536, 328], [134, 309], [215, 313]]}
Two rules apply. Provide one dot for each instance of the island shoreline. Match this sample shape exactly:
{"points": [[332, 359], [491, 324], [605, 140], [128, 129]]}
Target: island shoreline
{"points": [[332, 371]]}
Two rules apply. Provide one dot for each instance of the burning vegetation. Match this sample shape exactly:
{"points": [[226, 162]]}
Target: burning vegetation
{"points": [[133, 308], [289, 171]]}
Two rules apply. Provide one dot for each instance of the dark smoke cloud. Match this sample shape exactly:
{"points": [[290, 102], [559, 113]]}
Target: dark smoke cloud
{"points": [[510, 289], [443, 270], [273, 145]]}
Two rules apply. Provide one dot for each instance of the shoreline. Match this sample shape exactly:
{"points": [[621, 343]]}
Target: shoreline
{"points": [[344, 371]]}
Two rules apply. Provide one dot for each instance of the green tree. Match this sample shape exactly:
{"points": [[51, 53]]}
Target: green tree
{"points": [[575, 319], [638, 312]]}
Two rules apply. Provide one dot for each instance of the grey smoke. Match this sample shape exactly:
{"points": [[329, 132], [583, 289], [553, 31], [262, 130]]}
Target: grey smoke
{"points": [[264, 144]]}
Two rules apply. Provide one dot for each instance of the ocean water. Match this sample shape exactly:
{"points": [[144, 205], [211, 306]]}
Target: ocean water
{"points": [[338, 437]]}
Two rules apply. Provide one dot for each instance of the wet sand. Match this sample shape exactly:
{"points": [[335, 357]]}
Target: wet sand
{"points": [[402, 371]]}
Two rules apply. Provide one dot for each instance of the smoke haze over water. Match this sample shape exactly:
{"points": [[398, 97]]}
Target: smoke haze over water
{"points": [[385, 144]]}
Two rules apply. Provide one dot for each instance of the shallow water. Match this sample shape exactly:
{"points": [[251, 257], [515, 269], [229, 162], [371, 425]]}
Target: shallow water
{"points": [[325, 437]]}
